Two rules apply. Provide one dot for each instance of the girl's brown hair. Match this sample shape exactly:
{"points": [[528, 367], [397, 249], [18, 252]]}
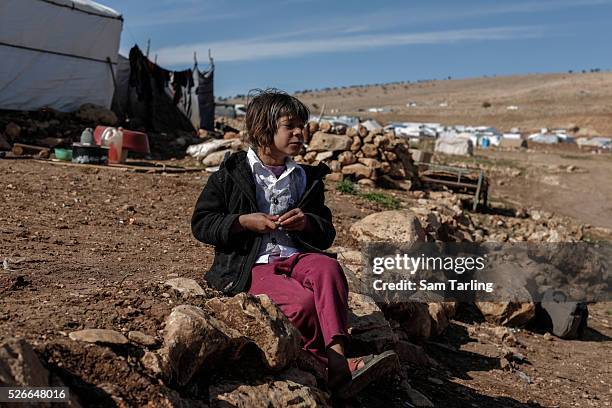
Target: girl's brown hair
{"points": [[265, 108]]}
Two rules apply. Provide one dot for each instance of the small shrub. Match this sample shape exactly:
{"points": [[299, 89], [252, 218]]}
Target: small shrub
{"points": [[486, 104], [346, 187], [387, 201]]}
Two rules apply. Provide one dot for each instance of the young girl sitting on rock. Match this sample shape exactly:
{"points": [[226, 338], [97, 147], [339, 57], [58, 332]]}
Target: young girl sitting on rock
{"points": [[266, 217]]}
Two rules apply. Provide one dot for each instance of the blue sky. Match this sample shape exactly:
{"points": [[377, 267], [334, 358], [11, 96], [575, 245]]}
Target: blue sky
{"points": [[305, 44]]}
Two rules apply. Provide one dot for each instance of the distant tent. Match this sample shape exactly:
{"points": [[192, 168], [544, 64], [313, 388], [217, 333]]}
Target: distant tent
{"points": [[57, 53], [162, 100]]}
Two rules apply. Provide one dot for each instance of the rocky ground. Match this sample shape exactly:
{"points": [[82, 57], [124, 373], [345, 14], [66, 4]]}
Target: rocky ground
{"points": [[95, 248]]}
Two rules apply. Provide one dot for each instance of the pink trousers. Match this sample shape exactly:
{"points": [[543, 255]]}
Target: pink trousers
{"points": [[312, 291]]}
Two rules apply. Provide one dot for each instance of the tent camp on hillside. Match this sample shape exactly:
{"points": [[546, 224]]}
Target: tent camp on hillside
{"points": [[73, 59]]}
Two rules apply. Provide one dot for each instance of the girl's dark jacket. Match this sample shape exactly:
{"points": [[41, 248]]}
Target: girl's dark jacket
{"points": [[229, 193]]}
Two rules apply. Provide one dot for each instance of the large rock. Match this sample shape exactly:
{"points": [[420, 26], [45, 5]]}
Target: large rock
{"points": [[369, 150], [324, 156], [97, 115], [192, 339], [511, 303], [413, 318], [358, 170], [356, 145], [441, 313], [322, 142], [346, 158], [185, 286], [399, 226], [507, 313], [12, 131], [263, 323], [370, 163], [102, 336], [293, 388], [370, 331]]}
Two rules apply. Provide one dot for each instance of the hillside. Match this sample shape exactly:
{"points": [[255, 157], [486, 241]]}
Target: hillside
{"points": [[543, 100]]}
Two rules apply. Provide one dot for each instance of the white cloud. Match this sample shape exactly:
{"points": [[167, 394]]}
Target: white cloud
{"points": [[253, 49]]}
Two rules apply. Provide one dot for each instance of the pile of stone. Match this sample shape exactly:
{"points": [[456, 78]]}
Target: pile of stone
{"points": [[216, 351], [50, 128], [371, 158]]}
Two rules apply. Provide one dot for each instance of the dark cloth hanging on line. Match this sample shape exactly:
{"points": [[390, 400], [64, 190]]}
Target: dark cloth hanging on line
{"points": [[161, 100], [148, 101], [206, 98]]}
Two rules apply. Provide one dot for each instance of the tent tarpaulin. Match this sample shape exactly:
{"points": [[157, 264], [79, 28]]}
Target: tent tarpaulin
{"points": [[56, 53]]}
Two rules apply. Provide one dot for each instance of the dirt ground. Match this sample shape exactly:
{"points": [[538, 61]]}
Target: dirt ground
{"points": [[89, 248], [561, 179]]}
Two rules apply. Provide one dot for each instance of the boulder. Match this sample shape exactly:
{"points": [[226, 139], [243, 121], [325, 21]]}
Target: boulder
{"points": [[325, 126], [193, 339], [322, 142], [507, 313], [293, 388], [334, 177], [313, 127], [352, 132], [335, 166], [185, 286], [399, 226], [391, 156], [324, 156], [12, 131], [141, 338], [358, 170], [370, 163], [102, 336], [259, 320], [510, 304], [381, 141], [346, 158], [413, 318], [97, 115], [362, 130], [441, 313], [356, 145], [369, 150], [369, 329]]}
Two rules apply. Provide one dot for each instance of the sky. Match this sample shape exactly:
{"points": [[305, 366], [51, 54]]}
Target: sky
{"points": [[312, 44]]}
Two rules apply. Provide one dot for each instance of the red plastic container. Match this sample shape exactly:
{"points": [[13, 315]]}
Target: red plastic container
{"points": [[132, 141]]}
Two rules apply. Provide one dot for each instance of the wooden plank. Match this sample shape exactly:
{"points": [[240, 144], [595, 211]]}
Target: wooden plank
{"points": [[124, 167]]}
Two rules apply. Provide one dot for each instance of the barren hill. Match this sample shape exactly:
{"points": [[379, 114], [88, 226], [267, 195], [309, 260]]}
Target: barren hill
{"points": [[541, 100]]}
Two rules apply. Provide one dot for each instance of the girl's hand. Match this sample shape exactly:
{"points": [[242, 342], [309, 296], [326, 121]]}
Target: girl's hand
{"points": [[294, 220], [258, 222]]}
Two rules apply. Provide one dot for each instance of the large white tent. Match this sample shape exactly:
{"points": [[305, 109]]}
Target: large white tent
{"points": [[57, 53]]}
